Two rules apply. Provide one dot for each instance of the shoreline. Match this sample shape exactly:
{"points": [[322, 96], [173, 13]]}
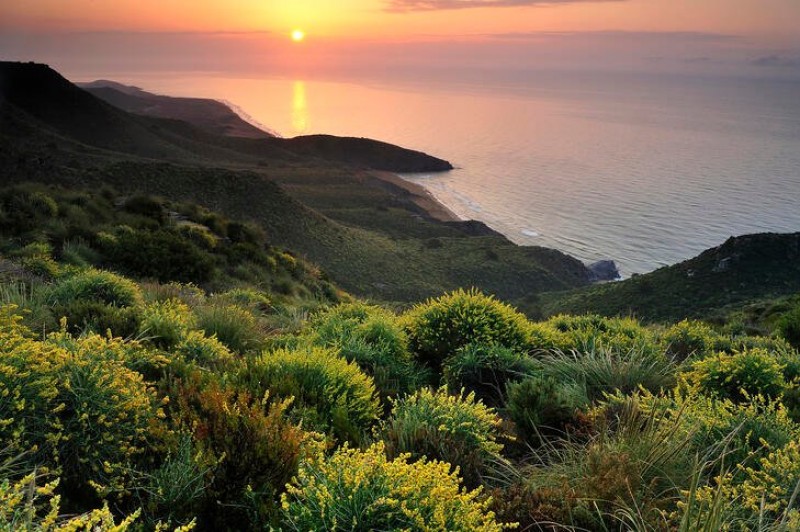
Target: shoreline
{"points": [[418, 195]]}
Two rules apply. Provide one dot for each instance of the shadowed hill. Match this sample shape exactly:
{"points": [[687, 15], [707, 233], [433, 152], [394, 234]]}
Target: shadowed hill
{"points": [[209, 115], [741, 270], [372, 239]]}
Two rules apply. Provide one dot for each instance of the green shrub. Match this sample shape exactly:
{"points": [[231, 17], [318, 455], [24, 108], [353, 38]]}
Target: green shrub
{"points": [[738, 376], [255, 448], [372, 338], [605, 369], [329, 393], [362, 490], [788, 327], [233, 326], [165, 323], [23, 210], [203, 350], [690, 338], [93, 316], [246, 297], [452, 428], [486, 370], [439, 327], [80, 407], [37, 258], [97, 286], [590, 333], [163, 254], [542, 406]]}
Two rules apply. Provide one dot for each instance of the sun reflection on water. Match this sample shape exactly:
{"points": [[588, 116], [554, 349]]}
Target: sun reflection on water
{"points": [[299, 108]]}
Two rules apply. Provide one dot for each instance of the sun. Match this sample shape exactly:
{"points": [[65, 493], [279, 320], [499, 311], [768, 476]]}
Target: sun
{"points": [[298, 35]]}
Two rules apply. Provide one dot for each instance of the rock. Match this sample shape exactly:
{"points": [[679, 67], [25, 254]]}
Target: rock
{"points": [[603, 270]]}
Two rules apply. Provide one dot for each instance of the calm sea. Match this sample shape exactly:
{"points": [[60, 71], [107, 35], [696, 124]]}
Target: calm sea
{"points": [[644, 170]]}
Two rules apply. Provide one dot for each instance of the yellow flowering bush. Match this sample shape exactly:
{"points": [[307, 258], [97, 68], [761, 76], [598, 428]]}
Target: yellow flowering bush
{"points": [[453, 428], [26, 507], [329, 393], [96, 285], [165, 323], [362, 490], [738, 376], [199, 348], [373, 338], [82, 411], [590, 333], [439, 327], [690, 338]]}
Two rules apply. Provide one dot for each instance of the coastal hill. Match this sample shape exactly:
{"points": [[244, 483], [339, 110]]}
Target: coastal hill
{"points": [[209, 115], [742, 270], [322, 197]]}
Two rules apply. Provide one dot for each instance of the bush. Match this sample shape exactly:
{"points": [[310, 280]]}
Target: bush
{"points": [[80, 408], [789, 327], [486, 370], [605, 369], [233, 326], [96, 286], [23, 210], [83, 316], [165, 323], [329, 393], [596, 333], [439, 327], [690, 338], [256, 449], [542, 406], [738, 376], [372, 338], [452, 428], [27, 506], [200, 349], [362, 490], [164, 255]]}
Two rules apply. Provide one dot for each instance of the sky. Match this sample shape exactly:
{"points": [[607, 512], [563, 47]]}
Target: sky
{"points": [[382, 36]]}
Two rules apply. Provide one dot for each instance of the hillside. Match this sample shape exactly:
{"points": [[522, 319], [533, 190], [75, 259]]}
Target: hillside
{"points": [[209, 115], [371, 237], [741, 270]]}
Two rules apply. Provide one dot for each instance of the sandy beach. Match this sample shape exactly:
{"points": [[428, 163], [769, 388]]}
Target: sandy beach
{"points": [[417, 194]]}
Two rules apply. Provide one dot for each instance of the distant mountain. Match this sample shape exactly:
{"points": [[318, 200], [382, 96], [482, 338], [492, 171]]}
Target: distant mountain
{"points": [[209, 115], [45, 95], [741, 270]]}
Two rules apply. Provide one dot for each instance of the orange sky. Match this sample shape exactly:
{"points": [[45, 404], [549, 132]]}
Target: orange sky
{"points": [[249, 35], [375, 19]]}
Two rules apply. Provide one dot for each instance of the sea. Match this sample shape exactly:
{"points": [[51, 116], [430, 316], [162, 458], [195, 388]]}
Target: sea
{"points": [[646, 170]]}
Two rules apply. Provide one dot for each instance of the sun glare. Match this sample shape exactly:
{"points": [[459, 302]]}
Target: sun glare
{"points": [[298, 35]]}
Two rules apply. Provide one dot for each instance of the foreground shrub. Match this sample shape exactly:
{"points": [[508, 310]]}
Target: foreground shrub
{"points": [[452, 428], [330, 394], [635, 464], [591, 333], [439, 327], [542, 406], [96, 286], [372, 338], [165, 323], [788, 327], [93, 316], [362, 490], [738, 376], [207, 352], [81, 409], [486, 370], [255, 449], [233, 326], [690, 338], [605, 369], [26, 506]]}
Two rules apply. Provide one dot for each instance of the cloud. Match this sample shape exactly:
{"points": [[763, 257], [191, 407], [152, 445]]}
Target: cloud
{"points": [[776, 61], [404, 6], [612, 35]]}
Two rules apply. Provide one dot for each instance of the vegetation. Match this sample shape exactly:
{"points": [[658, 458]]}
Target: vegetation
{"points": [[167, 366]]}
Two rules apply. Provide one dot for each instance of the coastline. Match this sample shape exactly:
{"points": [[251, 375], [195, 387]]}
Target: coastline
{"points": [[417, 194]]}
